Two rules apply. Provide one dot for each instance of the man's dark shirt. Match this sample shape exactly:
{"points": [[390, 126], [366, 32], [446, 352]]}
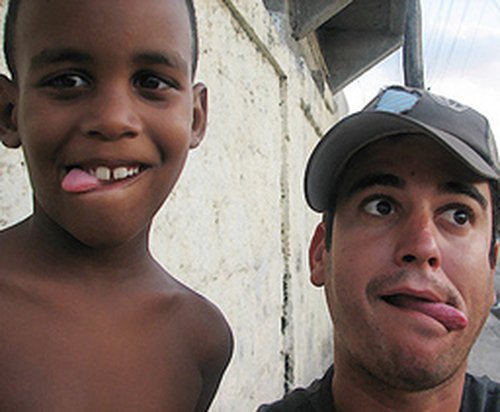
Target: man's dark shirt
{"points": [[480, 395]]}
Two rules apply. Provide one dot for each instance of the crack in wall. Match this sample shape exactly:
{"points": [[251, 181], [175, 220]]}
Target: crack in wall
{"points": [[306, 109], [254, 37], [287, 351], [287, 303]]}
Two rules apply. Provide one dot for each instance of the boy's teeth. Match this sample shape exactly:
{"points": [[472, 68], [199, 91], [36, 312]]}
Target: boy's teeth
{"points": [[118, 173], [103, 173]]}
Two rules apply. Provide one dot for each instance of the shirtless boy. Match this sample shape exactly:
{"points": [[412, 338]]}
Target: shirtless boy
{"points": [[103, 103]]}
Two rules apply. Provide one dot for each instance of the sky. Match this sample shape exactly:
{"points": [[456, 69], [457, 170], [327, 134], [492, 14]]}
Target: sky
{"points": [[461, 51]]}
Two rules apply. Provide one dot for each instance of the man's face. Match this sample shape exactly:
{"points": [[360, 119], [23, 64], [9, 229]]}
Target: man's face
{"points": [[408, 279], [105, 88]]}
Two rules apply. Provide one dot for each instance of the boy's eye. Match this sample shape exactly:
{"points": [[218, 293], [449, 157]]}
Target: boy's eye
{"points": [[67, 81], [379, 207], [458, 216], [151, 82]]}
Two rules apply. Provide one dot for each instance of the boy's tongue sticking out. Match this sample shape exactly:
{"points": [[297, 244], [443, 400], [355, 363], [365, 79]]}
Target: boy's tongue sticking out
{"points": [[78, 181]]}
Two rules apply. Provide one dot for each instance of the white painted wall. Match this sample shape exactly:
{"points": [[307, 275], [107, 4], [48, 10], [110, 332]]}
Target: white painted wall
{"points": [[237, 226]]}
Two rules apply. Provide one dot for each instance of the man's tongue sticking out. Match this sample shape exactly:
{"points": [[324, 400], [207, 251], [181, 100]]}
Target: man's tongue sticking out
{"points": [[451, 318]]}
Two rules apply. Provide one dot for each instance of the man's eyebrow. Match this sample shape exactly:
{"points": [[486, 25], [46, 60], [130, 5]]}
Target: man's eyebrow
{"points": [[370, 180], [467, 189], [54, 56], [173, 60]]}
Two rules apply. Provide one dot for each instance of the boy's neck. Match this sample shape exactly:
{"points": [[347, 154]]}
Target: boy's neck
{"points": [[52, 245]]}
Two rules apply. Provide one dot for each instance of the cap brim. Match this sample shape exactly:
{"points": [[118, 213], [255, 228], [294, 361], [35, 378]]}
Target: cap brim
{"points": [[360, 129]]}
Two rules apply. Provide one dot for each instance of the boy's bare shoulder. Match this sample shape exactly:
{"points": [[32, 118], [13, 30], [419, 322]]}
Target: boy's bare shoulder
{"points": [[198, 319], [156, 297], [178, 339], [179, 311]]}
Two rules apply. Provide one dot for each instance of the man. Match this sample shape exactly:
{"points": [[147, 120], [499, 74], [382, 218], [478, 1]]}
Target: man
{"points": [[406, 253]]}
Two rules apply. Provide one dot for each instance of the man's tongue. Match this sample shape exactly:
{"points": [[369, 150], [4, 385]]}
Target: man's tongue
{"points": [[78, 181], [450, 317]]}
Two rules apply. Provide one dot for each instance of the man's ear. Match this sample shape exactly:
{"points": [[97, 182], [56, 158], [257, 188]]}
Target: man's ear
{"points": [[493, 269], [199, 122], [317, 256], [8, 119]]}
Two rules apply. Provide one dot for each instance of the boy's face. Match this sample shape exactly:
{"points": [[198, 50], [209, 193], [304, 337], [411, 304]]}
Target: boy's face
{"points": [[105, 88]]}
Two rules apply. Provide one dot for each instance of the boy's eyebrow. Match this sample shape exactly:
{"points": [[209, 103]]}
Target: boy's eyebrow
{"points": [[466, 189], [380, 179], [53, 56], [173, 60]]}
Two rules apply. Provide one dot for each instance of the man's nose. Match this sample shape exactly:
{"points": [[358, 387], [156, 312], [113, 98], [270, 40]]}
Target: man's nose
{"points": [[417, 242], [112, 115]]}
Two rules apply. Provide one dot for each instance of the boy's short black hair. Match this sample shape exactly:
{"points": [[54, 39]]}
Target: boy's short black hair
{"points": [[10, 26]]}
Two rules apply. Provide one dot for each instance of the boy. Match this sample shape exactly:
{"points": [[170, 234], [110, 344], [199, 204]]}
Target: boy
{"points": [[103, 103]]}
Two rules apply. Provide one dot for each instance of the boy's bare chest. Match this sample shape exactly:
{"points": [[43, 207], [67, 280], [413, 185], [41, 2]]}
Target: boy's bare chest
{"points": [[57, 358]]}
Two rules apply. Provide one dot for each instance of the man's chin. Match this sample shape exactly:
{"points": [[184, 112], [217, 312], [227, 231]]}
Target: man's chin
{"points": [[409, 374]]}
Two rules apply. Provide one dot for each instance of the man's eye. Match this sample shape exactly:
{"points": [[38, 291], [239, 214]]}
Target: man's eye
{"points": [[151, 82], [67, 81], [458, 216], [379, 207]]}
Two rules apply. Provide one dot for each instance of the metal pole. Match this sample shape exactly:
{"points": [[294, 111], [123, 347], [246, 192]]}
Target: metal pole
{"points": [[412, 47]]}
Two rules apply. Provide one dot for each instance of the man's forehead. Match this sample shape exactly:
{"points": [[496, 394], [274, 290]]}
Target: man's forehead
{"points": [[395, 162], [409, 154]]}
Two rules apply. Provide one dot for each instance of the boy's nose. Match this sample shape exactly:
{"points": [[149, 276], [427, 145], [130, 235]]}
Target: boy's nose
{"points": [[112, 116], [417, 243]]}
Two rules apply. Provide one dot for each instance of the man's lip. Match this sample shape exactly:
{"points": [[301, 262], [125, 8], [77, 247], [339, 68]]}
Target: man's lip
{"points": [[429, 303], [426, 294]]}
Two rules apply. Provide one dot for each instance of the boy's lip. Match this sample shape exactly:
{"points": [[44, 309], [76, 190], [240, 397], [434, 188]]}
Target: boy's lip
{"points": [[107, 172], [110, 163], [97, 174], [93, 166]]}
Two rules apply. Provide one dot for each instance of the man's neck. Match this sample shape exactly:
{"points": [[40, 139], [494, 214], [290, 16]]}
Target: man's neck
{"points": [[353, 391]]}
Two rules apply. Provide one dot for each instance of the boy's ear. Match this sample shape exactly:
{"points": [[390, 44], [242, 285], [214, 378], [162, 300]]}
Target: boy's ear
{"points": [[8, 120], [318, 256], [199, 122]]}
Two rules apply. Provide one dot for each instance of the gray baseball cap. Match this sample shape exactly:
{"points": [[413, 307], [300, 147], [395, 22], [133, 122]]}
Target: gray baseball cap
{"points": [[399, 110]]}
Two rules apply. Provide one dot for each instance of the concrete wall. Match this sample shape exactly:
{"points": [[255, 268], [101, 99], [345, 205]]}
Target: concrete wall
{"points": [[236, 227]]}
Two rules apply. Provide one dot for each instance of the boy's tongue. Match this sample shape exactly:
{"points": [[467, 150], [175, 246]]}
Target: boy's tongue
{"points": [[451, 318], [78, 181]]}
